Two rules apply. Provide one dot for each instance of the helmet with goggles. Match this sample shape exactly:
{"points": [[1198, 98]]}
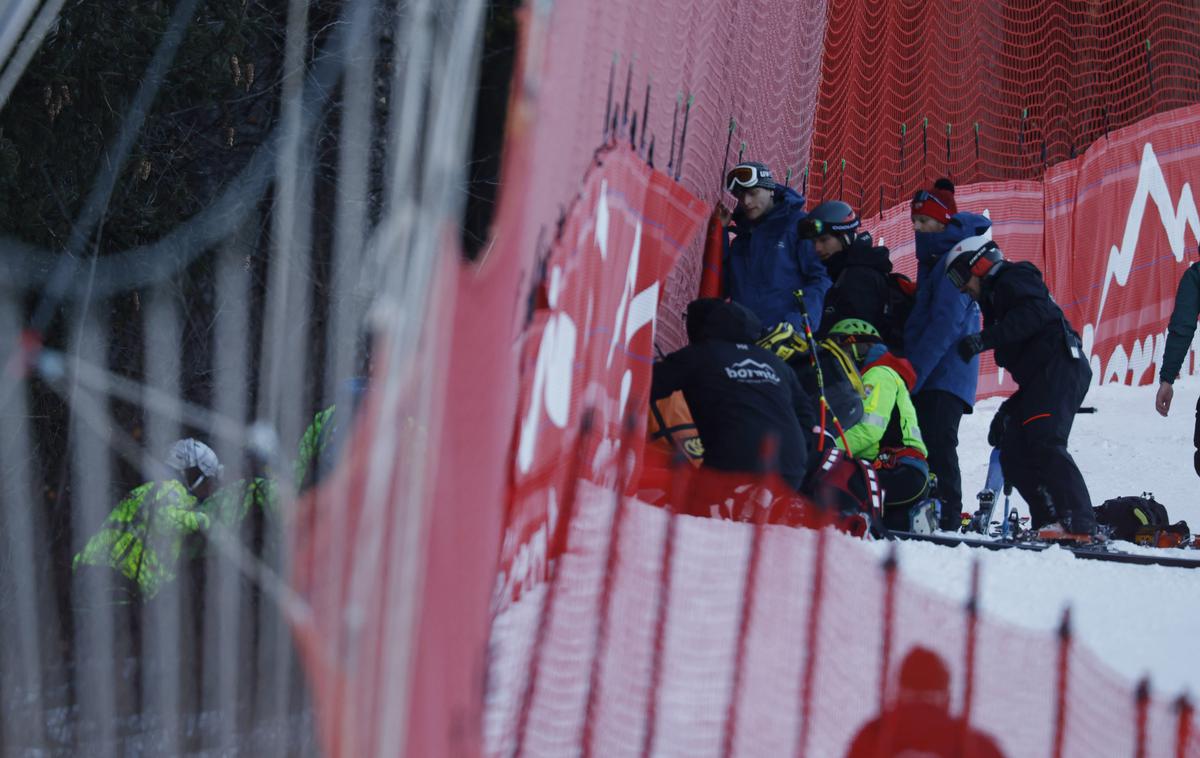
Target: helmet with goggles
{"points": [[832, 217], [973, 256]]}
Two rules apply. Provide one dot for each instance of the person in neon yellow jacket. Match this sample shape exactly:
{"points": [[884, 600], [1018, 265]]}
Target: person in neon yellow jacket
{"points": [[888, 436], [147, 534]]}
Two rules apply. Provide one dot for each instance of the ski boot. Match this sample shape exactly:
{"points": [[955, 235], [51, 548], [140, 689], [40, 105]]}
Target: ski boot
{"points": [[923, 517]]}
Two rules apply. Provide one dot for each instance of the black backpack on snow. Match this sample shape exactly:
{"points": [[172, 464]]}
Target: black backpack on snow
{"points": [[1138, 519]]}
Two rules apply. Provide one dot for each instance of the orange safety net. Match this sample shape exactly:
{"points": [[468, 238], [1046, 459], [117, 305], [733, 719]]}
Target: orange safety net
{"points": [[987, 91]]}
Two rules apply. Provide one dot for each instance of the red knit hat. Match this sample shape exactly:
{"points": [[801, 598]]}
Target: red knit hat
{"points": [[937, 203]]}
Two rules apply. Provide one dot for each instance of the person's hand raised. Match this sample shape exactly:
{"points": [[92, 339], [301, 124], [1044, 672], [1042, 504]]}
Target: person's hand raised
{"points": [[722, 214]]}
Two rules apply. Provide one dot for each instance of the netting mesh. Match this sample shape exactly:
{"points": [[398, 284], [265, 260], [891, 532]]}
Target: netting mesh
{"points": [[988, 91], [720, 638], [679, 74]]}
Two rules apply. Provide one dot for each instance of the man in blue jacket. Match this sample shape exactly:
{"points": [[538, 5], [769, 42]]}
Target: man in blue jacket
{"points": [[940, 318], [767, 262]]}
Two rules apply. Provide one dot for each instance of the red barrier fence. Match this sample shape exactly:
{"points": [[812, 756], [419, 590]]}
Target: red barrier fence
{"points": [[682, 664], [665, 634], [990, 90]]}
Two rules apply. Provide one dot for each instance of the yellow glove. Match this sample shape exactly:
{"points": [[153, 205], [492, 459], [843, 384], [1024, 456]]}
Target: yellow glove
{"points": [[784, 341]]}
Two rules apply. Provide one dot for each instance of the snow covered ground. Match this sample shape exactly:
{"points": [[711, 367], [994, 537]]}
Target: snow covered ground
{"points": [[1143, 620]]}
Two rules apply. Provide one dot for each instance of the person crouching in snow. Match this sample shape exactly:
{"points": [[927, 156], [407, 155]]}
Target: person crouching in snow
{"points": [[739, 393], [888, 437], [1034, 342]]}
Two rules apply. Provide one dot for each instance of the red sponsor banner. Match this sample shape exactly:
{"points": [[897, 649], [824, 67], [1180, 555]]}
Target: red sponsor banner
{"points": [[592, 347], [1121, 227]]}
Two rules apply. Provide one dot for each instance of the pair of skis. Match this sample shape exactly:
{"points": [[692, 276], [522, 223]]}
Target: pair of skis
{"points": [[1101, 551], [985, 531]]}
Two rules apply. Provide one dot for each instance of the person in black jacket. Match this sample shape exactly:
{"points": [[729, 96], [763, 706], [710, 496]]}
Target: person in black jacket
{"points": [[739, 393], [1180, 330], [1034, 342], [859, 269]]}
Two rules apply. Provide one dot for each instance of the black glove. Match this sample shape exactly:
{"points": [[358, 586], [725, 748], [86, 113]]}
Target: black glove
{"points": [[998, 427], [969, 347], [1197, 462]]}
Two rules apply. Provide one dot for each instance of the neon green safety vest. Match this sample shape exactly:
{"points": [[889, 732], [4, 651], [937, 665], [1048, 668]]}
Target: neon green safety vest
{"points": [[143, 537], [886, 393]]}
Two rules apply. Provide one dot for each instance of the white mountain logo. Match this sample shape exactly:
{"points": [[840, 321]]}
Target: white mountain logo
{"points": [[1176, 219], [751, 371]]}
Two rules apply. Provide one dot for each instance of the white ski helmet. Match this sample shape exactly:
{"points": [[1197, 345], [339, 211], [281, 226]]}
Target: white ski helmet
{"points": [[973, 256]]}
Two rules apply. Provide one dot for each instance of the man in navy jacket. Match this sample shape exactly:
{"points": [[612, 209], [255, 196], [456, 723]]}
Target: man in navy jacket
{"points": [[767, 262], [940, 318]]}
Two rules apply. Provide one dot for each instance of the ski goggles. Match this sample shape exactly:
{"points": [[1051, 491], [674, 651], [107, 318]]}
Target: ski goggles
{"points": [[746, 176], [923, 196], [976, 263], [811, 228]]}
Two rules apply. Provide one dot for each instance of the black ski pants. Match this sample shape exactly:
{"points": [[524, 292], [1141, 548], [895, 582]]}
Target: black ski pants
{"points": [[1196, 438], [1033, 450], [939, 414]]}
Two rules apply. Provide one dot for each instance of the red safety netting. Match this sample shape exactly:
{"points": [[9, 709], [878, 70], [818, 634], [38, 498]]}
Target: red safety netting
{"points": [[989, 90], [677, 71], [675, 650], [664, 634]]}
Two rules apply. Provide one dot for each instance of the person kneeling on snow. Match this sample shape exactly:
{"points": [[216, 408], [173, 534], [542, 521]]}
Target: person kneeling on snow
{"points": [[888, 436], [740, 394]]}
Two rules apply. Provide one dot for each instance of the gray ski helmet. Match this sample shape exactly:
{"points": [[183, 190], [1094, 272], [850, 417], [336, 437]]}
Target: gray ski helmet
{"points": [[192, 453], [831, 217]]}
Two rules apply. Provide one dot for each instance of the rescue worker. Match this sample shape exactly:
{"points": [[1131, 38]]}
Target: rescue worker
{"points": [[889, 436]]}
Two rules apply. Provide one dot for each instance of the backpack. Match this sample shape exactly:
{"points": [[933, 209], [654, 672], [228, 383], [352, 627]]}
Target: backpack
{"points": [[671, 428], [843, 385], [901, 295], [850, 488], [1143, 520]]}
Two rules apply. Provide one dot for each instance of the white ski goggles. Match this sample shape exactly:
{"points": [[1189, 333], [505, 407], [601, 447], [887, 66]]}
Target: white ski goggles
{"points": [[745, 176]]}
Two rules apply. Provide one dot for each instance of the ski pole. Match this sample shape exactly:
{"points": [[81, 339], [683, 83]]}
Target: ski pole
{"points": [[812, 356]]}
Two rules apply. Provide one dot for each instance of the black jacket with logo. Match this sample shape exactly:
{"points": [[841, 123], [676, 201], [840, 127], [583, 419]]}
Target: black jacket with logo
{"points": [[1022, 322], [738, 392]]}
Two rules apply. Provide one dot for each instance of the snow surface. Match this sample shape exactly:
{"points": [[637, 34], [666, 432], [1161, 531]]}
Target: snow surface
{"points": [[1142, 620]]}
